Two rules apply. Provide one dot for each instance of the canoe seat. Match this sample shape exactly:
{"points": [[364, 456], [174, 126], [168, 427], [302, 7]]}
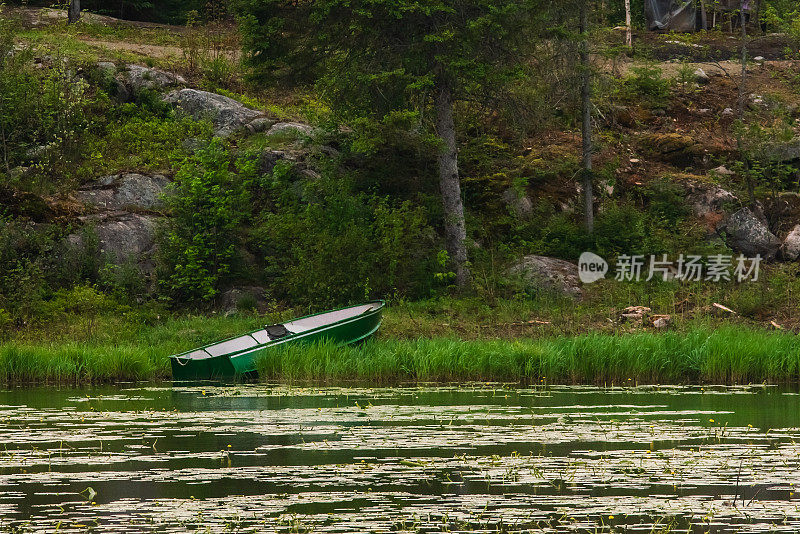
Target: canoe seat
{"points": [[276, 331]]}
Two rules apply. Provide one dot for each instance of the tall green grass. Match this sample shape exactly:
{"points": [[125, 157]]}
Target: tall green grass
{"points": [[730, 354], [726, 355], [114, 349], [76, 363]]}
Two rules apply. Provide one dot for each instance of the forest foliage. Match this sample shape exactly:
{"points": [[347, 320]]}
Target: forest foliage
{"points": [[368, 221]]}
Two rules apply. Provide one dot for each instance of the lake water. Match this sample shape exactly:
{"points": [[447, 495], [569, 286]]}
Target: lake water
{"points": [[256, 458]]}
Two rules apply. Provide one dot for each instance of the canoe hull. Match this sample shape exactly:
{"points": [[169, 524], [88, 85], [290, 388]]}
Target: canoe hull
{"points": [[344, 332]]}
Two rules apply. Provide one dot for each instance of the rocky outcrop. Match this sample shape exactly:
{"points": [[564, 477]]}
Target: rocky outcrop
{"points": [[243, 298], [123, 237], [291, 128], [131, 80], [121, 214], [710, 203], [124, 191], [790, 250], [553, 274], [226, 114], [674, 148], [749, 235], [518, 204], [783, 151]]}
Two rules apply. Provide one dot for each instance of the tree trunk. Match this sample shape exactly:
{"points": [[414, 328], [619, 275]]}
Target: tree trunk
{"points": [[743, 82], [586, 100], [628, 29], [703, 15], [454, 227], [74, 11], [742, 106]]}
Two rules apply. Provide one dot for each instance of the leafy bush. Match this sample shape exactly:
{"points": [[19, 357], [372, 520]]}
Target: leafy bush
{"points": [[208, 203], [647, 83], [142, 142], [334, 245]]}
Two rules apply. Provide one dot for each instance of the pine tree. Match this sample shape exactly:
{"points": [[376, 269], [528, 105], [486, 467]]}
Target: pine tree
{"points": [[379, 56]]}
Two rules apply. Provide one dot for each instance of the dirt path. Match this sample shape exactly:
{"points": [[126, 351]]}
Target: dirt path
{"points": [[154, 51], [671, 69]]}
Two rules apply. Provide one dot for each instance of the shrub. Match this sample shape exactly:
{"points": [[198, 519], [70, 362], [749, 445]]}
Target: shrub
{"points": [[18, 118], [335, 245], [208, 203], [647, 83]]}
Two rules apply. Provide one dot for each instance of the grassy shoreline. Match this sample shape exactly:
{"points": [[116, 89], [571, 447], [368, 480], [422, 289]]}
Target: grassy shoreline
{"points": [[725, 355]]}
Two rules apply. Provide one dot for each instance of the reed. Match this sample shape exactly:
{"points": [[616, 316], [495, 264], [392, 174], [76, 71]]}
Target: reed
{"points": [[76, 363], [729, 355], [701, 354]]}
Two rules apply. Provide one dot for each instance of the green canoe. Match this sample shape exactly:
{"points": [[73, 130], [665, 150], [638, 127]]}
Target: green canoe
{"points": [[237, 356]]}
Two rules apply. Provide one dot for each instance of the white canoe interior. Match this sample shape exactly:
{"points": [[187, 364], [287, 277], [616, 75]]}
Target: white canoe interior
{"points": [[260, 337]]}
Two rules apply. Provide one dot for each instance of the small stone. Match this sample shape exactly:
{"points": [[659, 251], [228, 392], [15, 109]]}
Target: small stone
{"points": [[662, 322], [260, 124], [634, 314], [791, 245], [727, 112], [701, 77], [722, 170]]}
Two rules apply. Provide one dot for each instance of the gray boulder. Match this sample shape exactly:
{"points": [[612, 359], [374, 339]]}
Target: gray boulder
{"points": [[553, 274], [709, 202], [244, 298], [783, 151], [261, 124], [749, 235], [138, 78], [520, 205], [124, 191], [791, 245], [123, 237], [225, 113], [292, 128], [701, 77]]}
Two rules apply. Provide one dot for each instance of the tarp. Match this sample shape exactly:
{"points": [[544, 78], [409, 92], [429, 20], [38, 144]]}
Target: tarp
{"points": [[671, 15]]}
